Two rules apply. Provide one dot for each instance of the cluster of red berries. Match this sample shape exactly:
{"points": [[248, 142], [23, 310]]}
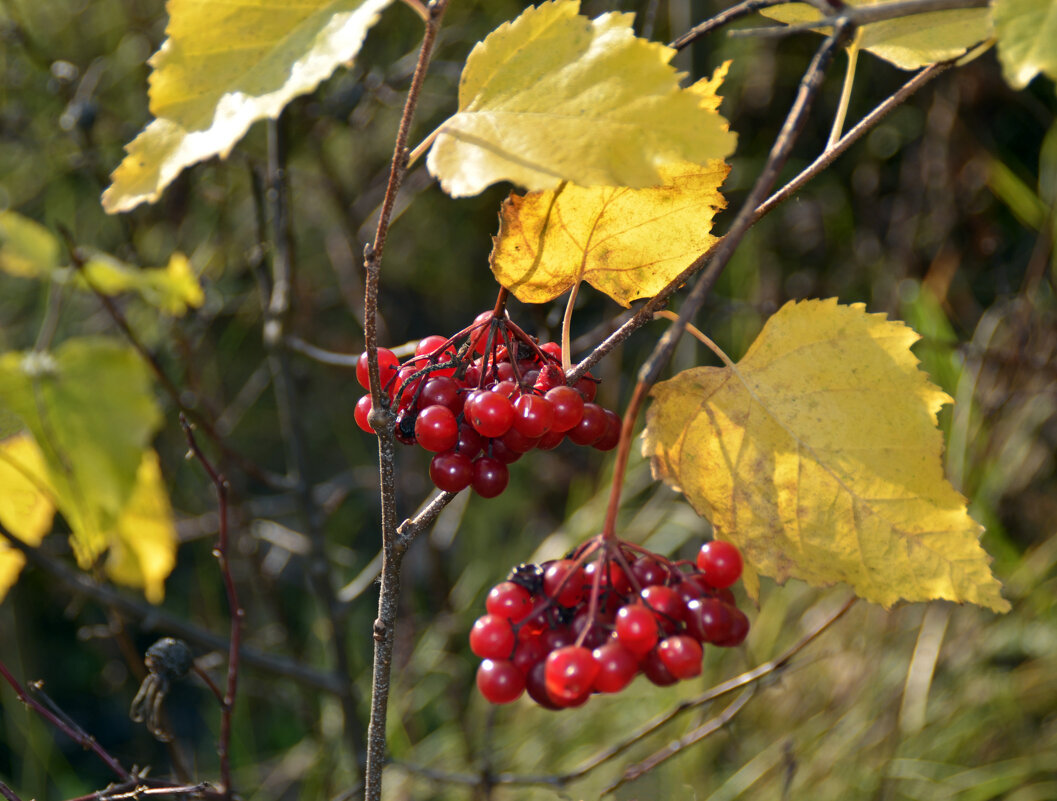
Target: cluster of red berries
{"points": [[569, 628], [481, 404]]}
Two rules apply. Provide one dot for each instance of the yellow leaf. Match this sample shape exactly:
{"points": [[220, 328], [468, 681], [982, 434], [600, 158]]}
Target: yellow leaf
{"points": [[223, 67], [1027, 39], [26, 508], [908, 42], [627, 243], [554, 96], [27, 248], [143, 548], [172, 288], [818, 455]]}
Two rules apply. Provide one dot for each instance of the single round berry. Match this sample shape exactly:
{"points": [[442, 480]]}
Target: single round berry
{"points": [[681, 655], [362, 412], [568, 407], [591, 427], [492, 637], [490, 477], [441, 391], [533, 416], [611, 437], [480, 334], [720, 562], [536, 684], [655, 670], [667, 606], [528, 652], [499, 681], [436, 429], [509, 600], [490, 413], [469, 443], [517, 442], [570, 672], [617, 666], [587, 388], [637, 629], [739, 629], [387, 366], [551, 440], [563, 581], [451, 471]]}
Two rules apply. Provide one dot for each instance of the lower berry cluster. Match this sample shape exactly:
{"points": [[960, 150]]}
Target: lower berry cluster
{"points": [[481, 399], [569, 628]]}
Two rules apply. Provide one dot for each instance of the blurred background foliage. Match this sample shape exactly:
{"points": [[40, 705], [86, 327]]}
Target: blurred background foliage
{"points": [[942, 216]]}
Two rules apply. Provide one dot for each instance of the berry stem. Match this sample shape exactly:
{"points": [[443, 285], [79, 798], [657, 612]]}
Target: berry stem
{"points": [[623, 449]]}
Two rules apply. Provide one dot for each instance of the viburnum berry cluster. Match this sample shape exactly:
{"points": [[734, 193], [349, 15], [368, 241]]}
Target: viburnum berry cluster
{"points": [[569, 628], [482, 398]]}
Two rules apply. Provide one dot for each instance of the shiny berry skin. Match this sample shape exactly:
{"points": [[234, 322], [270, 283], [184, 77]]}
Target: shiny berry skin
{"points": [[536, 684], [654, 669], [649, 571], [480, 335], [637, 629], [568, 407], [528, 653], [469, 443], [533, 415], [611, 437], [509, 600], [492, 637], [681, 655], [570, 672], [361, 412], [587, 388], [720, 563], [708, 620], [436, 429], [591, 427], [441, 391], [490, 477], [551, 440], [564, 582], [499, 681], [666, 604], [617, 666], [490, 413], [387, 366], [451, 471], [739, 630]]}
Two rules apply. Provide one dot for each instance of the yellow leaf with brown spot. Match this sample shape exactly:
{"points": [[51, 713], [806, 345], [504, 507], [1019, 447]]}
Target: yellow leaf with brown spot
{"points": [[627, 243], [819, 456]]}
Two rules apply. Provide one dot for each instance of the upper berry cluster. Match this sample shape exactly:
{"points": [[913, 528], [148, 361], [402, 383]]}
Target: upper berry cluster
{"points": [[482, 398]]}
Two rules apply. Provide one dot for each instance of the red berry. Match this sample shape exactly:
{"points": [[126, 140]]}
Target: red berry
{"points": [[551, 440], [387, 365], [552, 349], [613, 578], [739, 629], [490, 477], [564, 582], [611, 437], [533, 415], [361, 412], [451, 471], [666, 604], [536, 684], [648, 570], [617, 666], [637, 629], [527, 653], [490, 413], [492, 637], [720, 562], [568, 407], [510, 601], [591, 427], [517, 442], [710, 620], [655, 670], [480, 335], [570, 672], [550, 376], [587, 388], [469, 443], [436, 429], [441, 391], [681, 655], [499, 681]]}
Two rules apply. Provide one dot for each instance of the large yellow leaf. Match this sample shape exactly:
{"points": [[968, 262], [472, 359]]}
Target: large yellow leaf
{"points": [[223, 67], [1027, 39], [90, 408], [818, 455], [908, 42], [554, 96], [26, 508], [627, 243], [27, 248]]}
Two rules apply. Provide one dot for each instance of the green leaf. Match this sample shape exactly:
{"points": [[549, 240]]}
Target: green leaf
{"points": [[1027, 39], [89, 407], [26, 505], [27, 248], [223, 67], [554, 96], [908, 42]]}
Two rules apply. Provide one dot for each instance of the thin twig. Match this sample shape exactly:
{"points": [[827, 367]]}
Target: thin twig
{"points": [[8, 793], [67, 726], [725, 17], [645, 313], [152, 618], [234, 608], [381, 419], [865, 15], [146, 788]]}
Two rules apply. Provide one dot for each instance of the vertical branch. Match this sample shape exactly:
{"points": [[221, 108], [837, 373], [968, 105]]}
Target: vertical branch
{"points": [[381, 419], [235, 610], [276, 313]]}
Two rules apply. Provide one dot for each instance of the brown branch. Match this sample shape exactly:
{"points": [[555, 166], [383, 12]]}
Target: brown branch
{"points": [[724, 17], [8, 793], [234, 608], [381, 419], [864, 15]]}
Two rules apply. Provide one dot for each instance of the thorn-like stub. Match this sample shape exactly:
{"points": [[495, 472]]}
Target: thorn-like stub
{"points": [[379, 630]]}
